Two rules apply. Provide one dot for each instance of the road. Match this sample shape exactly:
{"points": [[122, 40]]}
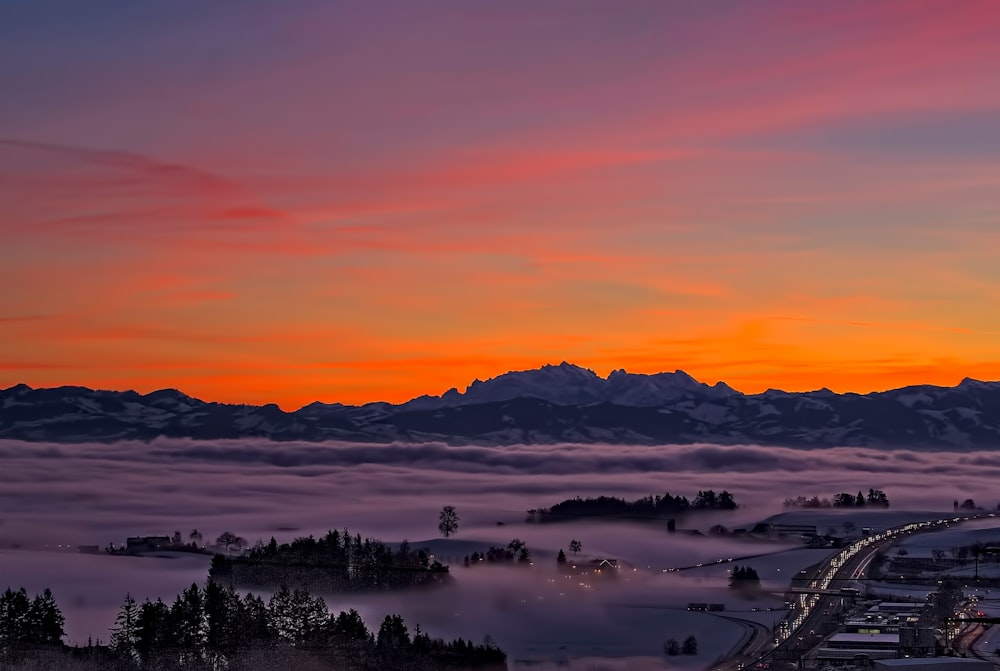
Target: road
{"points": [[810, 617]]}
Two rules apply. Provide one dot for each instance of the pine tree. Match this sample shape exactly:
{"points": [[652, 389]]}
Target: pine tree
{"points": [[690, 646], [46, 620], [188, 623], [15, 625], [223, 611], [279, 610], [125, 633], [393, 633], [152, 626]]}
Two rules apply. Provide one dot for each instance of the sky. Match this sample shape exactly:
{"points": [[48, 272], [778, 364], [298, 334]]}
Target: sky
{"points": [[357, 201]]}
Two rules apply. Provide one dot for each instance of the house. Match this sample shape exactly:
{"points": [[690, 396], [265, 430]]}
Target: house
{"points": [[135, 544]]}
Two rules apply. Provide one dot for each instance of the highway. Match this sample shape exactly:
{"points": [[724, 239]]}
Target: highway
{"points": [[809, 619]]}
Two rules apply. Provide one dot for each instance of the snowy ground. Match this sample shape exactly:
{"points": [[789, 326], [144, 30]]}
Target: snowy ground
{"points": [[986, 530]]}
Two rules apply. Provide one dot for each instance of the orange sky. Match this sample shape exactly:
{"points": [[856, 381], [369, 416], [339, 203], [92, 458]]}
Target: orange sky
{"points": [[356, 203]]}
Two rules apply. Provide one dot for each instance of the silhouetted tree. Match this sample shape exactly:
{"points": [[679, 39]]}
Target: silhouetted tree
{"points": [[392, 633], [125, 633], [744, 578], [575, 546], [152, 628], [561, 557], [672, 648], [46, 620], [228, 540], [448, 521], [690, 646]]}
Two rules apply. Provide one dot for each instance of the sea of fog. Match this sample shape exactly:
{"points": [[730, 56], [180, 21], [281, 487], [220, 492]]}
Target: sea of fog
{"points": [[86, 494]]}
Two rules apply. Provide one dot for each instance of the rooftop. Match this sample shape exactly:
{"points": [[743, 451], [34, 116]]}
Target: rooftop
{"points": [[865, 638], [927, 661]]}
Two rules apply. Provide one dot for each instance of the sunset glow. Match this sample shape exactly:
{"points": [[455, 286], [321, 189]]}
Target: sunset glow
{"points": [[288, 202]]}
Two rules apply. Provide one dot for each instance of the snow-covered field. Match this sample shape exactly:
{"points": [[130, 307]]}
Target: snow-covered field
{"points": [[986, 530], [96, 494]]}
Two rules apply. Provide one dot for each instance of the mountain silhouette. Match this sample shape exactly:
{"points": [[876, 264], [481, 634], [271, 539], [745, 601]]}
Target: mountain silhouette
{"points": [[551, 404]]}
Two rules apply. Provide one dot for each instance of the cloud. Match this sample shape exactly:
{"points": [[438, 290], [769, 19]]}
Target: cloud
{"points": [[100, 493]]}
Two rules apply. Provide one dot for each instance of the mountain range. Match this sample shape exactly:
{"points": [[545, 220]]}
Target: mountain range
{"points": [[552, 404]]}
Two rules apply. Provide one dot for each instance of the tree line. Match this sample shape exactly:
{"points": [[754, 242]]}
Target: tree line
{"points": [[876, 498], [647, 507], [515, 551], [689, 647], [216, 628], [336, 562]]}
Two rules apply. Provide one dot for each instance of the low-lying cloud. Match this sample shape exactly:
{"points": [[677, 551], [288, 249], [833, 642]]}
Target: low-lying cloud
{"points": [[100, 493], [395, 490]]}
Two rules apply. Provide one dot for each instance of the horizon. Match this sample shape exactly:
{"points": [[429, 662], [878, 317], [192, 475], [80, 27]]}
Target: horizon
{"points": [[465, 387], [356, 202]]}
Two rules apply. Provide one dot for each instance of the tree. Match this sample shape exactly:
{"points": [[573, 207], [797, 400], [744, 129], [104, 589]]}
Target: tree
{"points": [[188, 624], [14, 623], [392, 633], [672, 648], [125, 633], [946, 599], [152, 624], [575, 546], [859, 500], [448, 521], [690, 646], [561, 557], [726, 501], [705, 500], [967, 504], [744, 578], [195, 537], [876, 497], [229, 540], [46, 620]]}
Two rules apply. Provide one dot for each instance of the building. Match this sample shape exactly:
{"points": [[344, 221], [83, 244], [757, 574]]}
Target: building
{"points": [[807, 530], [146, 543], [850, 649], [898, 607], [932, 664]]}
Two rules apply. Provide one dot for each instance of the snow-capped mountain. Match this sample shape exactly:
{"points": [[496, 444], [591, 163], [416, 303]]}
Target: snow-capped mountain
{"points": [[567, 384], [563, 403]]}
